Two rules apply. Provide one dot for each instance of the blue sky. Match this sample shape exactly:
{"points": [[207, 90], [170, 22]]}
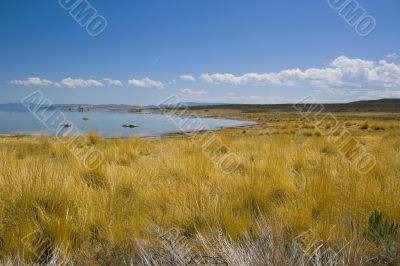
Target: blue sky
{"points": [[238, 51]]}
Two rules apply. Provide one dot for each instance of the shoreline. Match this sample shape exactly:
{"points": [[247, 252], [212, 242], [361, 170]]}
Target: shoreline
{"points": [[178, 134], [163, 136]]}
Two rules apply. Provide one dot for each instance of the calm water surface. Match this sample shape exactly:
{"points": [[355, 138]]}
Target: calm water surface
{"points": [[19, 121]]}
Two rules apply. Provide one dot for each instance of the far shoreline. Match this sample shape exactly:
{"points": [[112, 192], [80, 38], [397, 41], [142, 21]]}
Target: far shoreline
{"points": [[177, 134]]}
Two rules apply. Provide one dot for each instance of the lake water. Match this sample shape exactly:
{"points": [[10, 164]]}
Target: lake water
{"points": [[19, 121]]}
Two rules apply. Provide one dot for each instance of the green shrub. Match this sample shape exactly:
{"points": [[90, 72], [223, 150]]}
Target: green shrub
{"points": [[381, 228]]}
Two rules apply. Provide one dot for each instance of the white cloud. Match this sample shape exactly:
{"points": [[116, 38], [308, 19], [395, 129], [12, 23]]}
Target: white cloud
{"points": [[379, 94], [354, 75], [67, 82], [252, 99], [187, 78], [112, 82], [392, 56], [193, 93], [72, 83], [146, 83], [34, 81]]}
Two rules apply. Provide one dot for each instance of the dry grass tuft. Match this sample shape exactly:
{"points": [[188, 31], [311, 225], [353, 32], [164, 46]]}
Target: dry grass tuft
{"points": [[93, 137]]}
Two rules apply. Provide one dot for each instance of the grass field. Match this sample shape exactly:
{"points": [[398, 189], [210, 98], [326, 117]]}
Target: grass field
{"points": [[294, 197]]}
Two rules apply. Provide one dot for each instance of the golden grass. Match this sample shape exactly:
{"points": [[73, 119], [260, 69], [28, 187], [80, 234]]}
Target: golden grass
{"points": [[293, 178]]}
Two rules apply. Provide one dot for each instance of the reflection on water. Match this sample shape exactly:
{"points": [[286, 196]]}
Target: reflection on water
{"points": [[107, 124]]}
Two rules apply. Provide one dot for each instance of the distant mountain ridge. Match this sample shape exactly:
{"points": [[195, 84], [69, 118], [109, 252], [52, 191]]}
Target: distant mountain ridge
{"points": [[386, 101], [111, 106], [381, 105]]}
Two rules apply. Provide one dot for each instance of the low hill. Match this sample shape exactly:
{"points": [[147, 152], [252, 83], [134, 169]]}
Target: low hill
{"points": [[383, 105]]}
